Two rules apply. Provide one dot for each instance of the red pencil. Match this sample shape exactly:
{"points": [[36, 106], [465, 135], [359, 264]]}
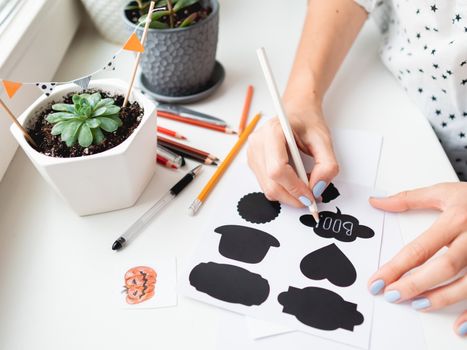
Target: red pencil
{"points": [[163, 140], [179, 118], [246, 109], [165, 162], [170, 133]]}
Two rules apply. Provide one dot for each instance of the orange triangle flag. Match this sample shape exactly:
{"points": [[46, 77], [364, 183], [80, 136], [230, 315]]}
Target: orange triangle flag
{"points": [[133, 44], [11, 87]]}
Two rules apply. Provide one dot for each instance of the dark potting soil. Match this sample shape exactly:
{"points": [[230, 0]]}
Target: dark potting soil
{"points": [[53, 146], [202, 13]]}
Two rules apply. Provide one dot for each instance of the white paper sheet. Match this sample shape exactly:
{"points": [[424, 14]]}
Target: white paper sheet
{"points": [[281, 266], [394, 326], [357, 152]]}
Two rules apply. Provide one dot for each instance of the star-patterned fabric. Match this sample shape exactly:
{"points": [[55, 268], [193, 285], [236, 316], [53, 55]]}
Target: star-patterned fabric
{"points": [[425, 46]]}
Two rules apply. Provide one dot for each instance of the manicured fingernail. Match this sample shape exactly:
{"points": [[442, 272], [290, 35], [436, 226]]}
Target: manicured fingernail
{"points": [[378, 197], [421, 303], [463, 328], [392, 296], [305, 201], [377, 286], [319, 188]]}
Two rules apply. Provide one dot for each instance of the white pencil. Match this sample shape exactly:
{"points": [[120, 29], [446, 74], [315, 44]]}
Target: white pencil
{"points": [[296, 159]]}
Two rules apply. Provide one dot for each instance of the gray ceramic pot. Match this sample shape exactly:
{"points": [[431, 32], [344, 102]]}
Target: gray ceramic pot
{"points": [[180, 61]]}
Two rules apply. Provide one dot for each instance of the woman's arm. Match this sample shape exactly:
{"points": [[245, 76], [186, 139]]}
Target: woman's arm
{"points": [[328, 33], [329, 30]]}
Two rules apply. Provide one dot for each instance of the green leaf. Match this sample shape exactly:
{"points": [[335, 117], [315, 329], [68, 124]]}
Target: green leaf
{"points": [[109, 110], [181, 4], [155, 16], [164, 3], [159, 14], [105, 102], [76, 99], [115, 118], [84, 96], [93, 123], [108, 124], [136, 6], [94, 99], [98, 136], [158, 25], [99, 111], [58, 128], [70, 132], [86, 110], [59, 116], [63, 107], [161, 3], [85, 136], [132, 7], [189, 20]]}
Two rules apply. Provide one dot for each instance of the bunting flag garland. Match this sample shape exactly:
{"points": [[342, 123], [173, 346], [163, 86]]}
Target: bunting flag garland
{"points": [[83, 82], [11, 87], [46, 87], [111, 64], [133, 44]]}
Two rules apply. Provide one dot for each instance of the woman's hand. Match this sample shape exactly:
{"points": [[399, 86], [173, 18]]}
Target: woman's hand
{"points": [[269, 160], [435, 283]]}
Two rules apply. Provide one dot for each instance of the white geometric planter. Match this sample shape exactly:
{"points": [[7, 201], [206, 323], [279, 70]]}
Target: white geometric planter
{"points": [[102, 182]]}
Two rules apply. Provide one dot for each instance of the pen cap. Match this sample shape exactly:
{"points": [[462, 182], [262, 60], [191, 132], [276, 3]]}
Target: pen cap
{"points": [[168, 154]]}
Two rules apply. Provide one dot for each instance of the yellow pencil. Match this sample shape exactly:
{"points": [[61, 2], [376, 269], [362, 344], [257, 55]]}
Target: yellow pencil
{"points": [[224, 165]]}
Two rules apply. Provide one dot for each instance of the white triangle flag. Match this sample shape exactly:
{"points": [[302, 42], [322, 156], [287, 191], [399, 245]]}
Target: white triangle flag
{"points": [[83, 82], [47, 88]]}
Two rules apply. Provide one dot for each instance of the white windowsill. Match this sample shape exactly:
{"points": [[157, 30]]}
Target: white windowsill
{"points": [[31, 50]]}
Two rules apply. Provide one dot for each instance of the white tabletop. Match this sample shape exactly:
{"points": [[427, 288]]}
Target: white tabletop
{"points": [[54, 265]]}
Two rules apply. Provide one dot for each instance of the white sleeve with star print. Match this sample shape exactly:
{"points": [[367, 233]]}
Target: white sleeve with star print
{"points": [[368, 5], [425, 46]]}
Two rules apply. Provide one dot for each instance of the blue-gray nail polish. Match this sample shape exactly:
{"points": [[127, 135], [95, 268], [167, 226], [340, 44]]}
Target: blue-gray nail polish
{"points": [[392, 296], [319, 188], [377, 286], [463, 328], [421, 303], [378, 196], [305, 201]]}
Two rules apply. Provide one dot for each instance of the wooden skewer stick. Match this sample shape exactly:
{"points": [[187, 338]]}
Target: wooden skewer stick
{"points": [[138, 55], [16, 122]]}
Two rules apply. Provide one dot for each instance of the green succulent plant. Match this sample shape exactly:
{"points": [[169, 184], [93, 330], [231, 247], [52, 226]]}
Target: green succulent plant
{"points": [[171, 9], [84, 120]]}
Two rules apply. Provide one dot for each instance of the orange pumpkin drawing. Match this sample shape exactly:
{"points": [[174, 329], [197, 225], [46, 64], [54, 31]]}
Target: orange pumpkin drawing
{"points": [[140, 282]]}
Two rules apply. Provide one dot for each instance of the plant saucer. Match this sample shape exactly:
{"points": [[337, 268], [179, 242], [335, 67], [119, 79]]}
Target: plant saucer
{"points": [[216, 80]]}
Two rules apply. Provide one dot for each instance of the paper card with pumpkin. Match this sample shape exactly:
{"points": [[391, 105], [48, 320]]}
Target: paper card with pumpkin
{"points": [[274, 262], [146, 283]]}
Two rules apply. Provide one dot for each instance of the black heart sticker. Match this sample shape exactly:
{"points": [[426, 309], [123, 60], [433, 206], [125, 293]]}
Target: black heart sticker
{"points": [[329, 263]]}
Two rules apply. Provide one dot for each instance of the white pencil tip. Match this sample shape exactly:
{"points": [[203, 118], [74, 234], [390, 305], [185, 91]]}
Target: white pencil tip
{"points": [[193, 209]]}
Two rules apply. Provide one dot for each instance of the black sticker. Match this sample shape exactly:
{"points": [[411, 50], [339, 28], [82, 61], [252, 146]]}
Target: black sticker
{"points": [[244, 243], [342, 227], [230, 283], [320, 308], [329, 263], [257, 209], [330, 193]]}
